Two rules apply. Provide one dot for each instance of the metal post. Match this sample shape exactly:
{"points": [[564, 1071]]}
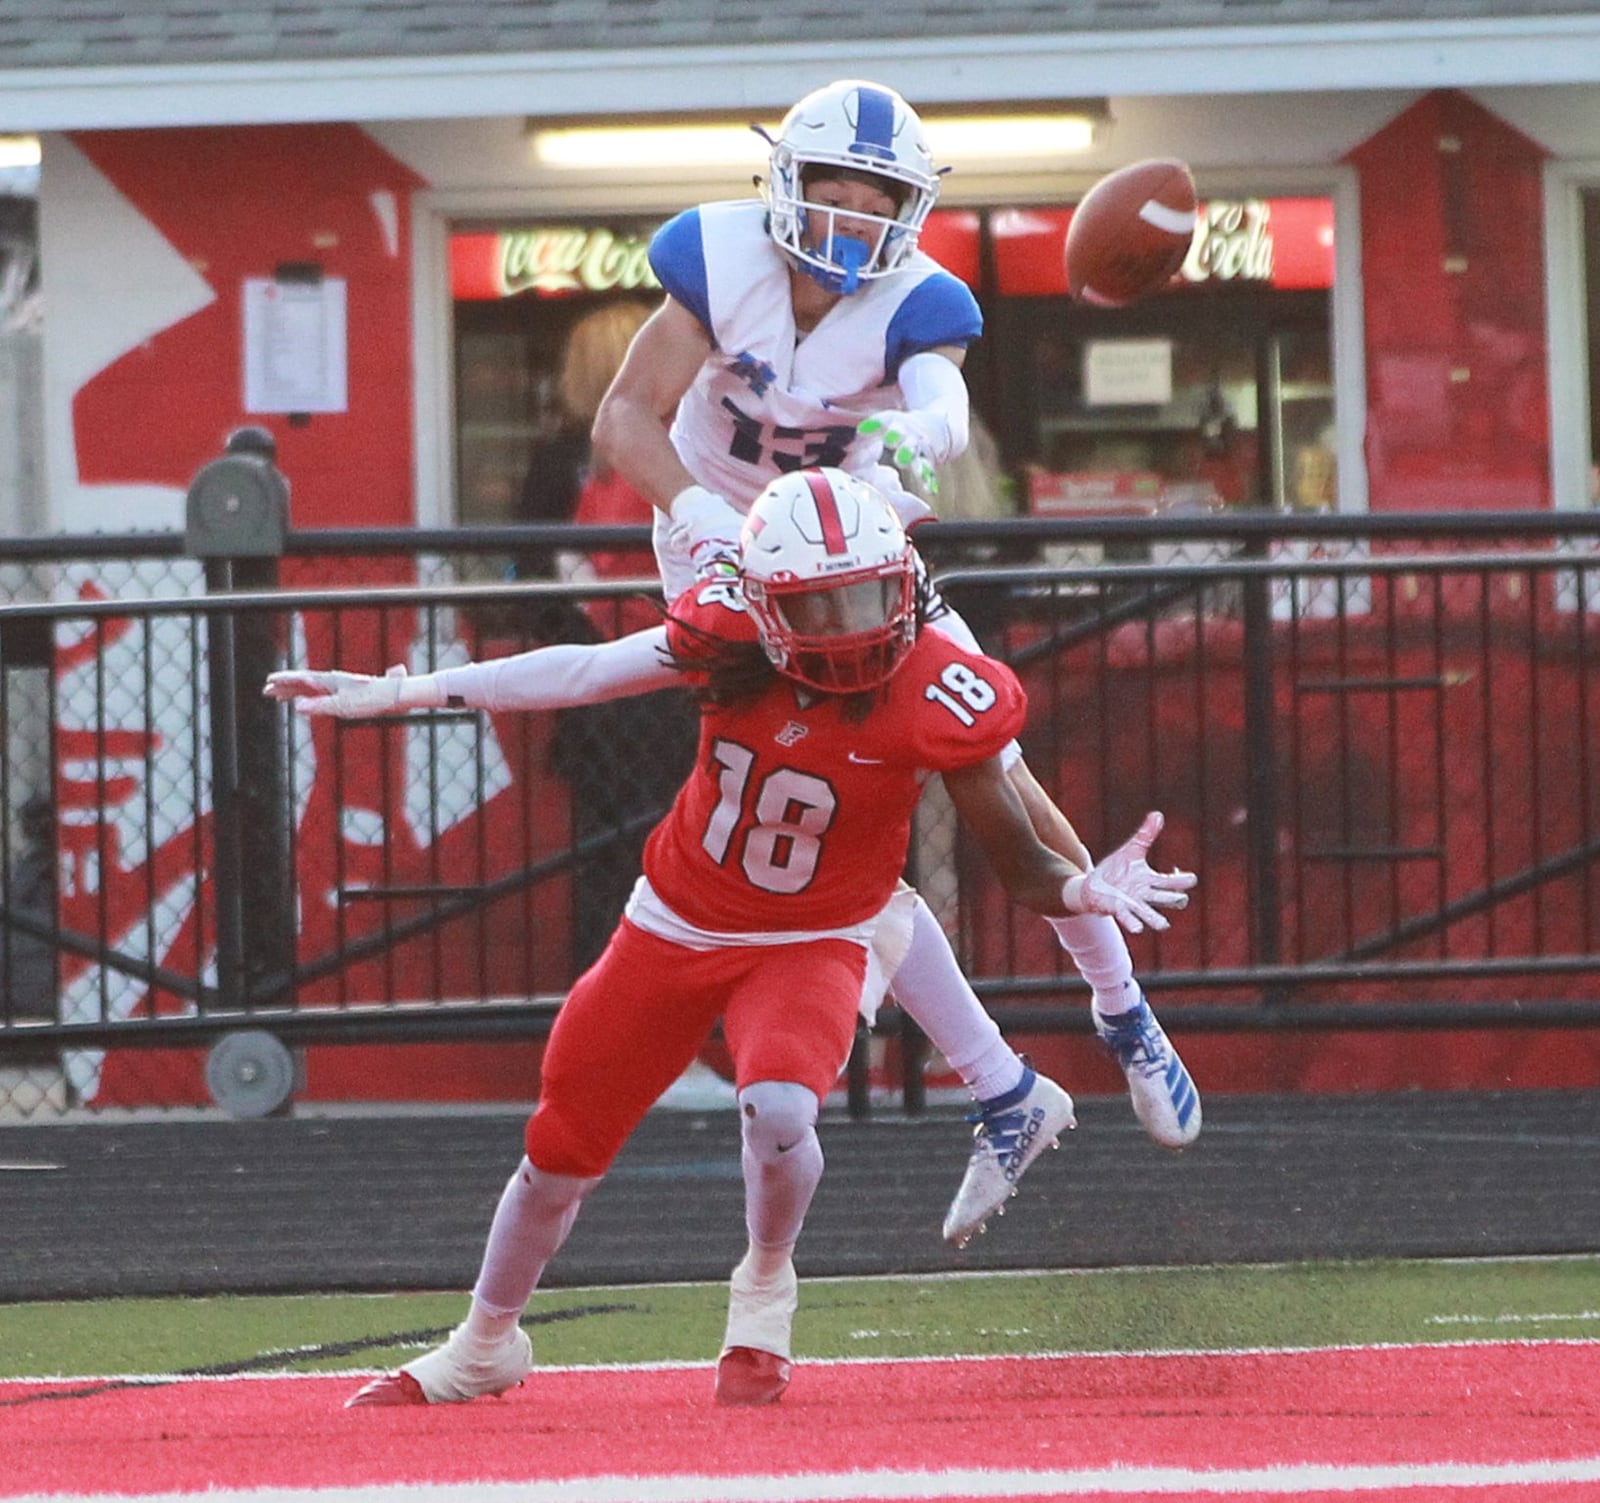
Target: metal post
{"points": [[237, 519], [858, 1075], [1261, 772]]}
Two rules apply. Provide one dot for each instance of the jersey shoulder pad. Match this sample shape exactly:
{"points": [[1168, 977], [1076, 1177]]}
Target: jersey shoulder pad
{"points": [[709, 614], [963, 707], [939, 310], [677, 256]]}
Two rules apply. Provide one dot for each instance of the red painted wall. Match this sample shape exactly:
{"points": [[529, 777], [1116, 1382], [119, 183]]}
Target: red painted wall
{"points": [[1453, 272], [235, 204]]}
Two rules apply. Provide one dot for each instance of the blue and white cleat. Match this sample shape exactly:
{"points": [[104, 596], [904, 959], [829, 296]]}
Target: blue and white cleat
{"points": [[1011, 1132], [1164, 1097]]}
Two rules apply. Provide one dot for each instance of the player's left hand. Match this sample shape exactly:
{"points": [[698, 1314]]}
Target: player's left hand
{"points": [[1127, 888], [907, 444], [331, 692]]}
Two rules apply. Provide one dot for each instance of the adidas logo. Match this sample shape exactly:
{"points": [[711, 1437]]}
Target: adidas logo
{"points": [[1017, 1148]]}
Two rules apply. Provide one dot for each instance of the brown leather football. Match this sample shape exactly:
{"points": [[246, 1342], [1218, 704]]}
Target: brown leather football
{"points": [[1130, 234]]}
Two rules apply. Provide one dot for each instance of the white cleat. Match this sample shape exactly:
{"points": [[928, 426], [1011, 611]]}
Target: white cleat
{"points": [[1011, 1132], [756, 1357], [1164, 1097], [453, 1373]]}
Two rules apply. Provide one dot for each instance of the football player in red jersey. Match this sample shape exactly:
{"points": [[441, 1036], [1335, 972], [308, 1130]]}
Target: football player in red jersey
{"points": [[824, 708], [808, 327]]}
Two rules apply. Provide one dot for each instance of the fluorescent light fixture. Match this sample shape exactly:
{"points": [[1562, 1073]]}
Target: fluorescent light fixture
{"points": [[595, 146], [954, 137], [1038, 134], [19, 151]]}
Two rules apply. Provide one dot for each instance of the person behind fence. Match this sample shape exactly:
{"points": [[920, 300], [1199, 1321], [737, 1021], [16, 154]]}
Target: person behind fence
{"points": [[810, 329], [613, 795], [561, 463], [824, 706]]}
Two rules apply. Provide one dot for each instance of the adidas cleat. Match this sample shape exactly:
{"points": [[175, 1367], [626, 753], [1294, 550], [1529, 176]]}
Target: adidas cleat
{"points": [[452, 1374], [1011, 1132], [1164, 1097], [756, 1358]]}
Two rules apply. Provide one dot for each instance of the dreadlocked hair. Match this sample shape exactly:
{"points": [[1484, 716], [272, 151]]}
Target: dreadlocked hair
{"points": [[735, 672]]}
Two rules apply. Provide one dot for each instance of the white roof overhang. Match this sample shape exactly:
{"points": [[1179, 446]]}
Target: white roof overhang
{"points": [[1280, 58]]}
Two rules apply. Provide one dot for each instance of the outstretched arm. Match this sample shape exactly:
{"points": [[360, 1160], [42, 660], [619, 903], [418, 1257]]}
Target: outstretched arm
{"points": [[1123, 886], [547, 678], [1052, 827], [936, 422]]}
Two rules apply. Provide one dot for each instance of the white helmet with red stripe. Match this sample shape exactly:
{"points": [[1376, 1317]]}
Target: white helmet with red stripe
{"points": [[829, 579]]}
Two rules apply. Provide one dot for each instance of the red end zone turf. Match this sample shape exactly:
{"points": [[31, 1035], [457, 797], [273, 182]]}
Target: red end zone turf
{"points": [[1365, 1422]]}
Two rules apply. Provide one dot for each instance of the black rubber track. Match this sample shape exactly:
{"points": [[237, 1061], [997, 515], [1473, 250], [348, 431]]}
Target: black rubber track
{"points": [[403, 1201]]}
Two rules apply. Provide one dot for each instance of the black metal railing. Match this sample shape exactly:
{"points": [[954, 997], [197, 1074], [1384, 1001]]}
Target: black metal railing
{"points": [[1372, 736]]}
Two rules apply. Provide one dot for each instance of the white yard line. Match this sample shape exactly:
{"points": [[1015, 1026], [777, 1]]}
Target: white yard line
{"points": [[888, 1486], [341, 1373], [1509, 1319]]}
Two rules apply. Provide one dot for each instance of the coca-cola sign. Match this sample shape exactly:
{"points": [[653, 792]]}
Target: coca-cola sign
{"points": [[1273, 242], [549, 261], [1232, 242], [573, 260]]}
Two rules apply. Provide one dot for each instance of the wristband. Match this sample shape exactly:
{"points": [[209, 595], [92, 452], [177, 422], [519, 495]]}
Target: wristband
{"points": [[698, 510]]}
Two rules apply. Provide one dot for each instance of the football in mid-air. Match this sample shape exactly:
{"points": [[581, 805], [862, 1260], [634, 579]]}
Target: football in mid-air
{"points": [[1129, 235]]}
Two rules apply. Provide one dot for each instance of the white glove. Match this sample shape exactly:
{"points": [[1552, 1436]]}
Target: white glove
{"points": [[910, 443], [706, 527], [1125, 886], [353, 695]]}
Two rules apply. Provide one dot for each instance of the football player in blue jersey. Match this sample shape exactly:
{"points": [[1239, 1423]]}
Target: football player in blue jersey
{"points": [[807, 328]]}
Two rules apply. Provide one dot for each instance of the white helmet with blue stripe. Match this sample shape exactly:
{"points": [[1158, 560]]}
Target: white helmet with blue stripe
{"points": [[861, 128]]}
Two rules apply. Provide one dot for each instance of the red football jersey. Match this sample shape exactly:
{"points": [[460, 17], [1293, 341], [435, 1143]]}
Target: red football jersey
{"points": [[797, 818]]}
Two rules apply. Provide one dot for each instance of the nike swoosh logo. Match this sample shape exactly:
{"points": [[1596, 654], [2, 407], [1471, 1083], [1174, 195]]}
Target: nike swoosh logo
{"points": [[785, 1147], [861, 761]]}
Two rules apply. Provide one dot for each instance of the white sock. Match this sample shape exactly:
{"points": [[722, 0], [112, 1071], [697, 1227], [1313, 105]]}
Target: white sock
{"points": [[535, 1213], [1100, 951], [995, 1072], [766, 1263], [930, 987]]}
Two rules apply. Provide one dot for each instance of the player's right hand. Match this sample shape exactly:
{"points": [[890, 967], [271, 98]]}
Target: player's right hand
{"points": [[1126, 887], [331, 692], [706, 527]]}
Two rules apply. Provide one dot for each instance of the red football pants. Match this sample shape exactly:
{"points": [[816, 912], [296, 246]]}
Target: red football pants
{"points": [[638, 1016]]}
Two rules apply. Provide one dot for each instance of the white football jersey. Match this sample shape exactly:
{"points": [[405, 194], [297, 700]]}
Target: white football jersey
{"points": [[768, 401]]}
